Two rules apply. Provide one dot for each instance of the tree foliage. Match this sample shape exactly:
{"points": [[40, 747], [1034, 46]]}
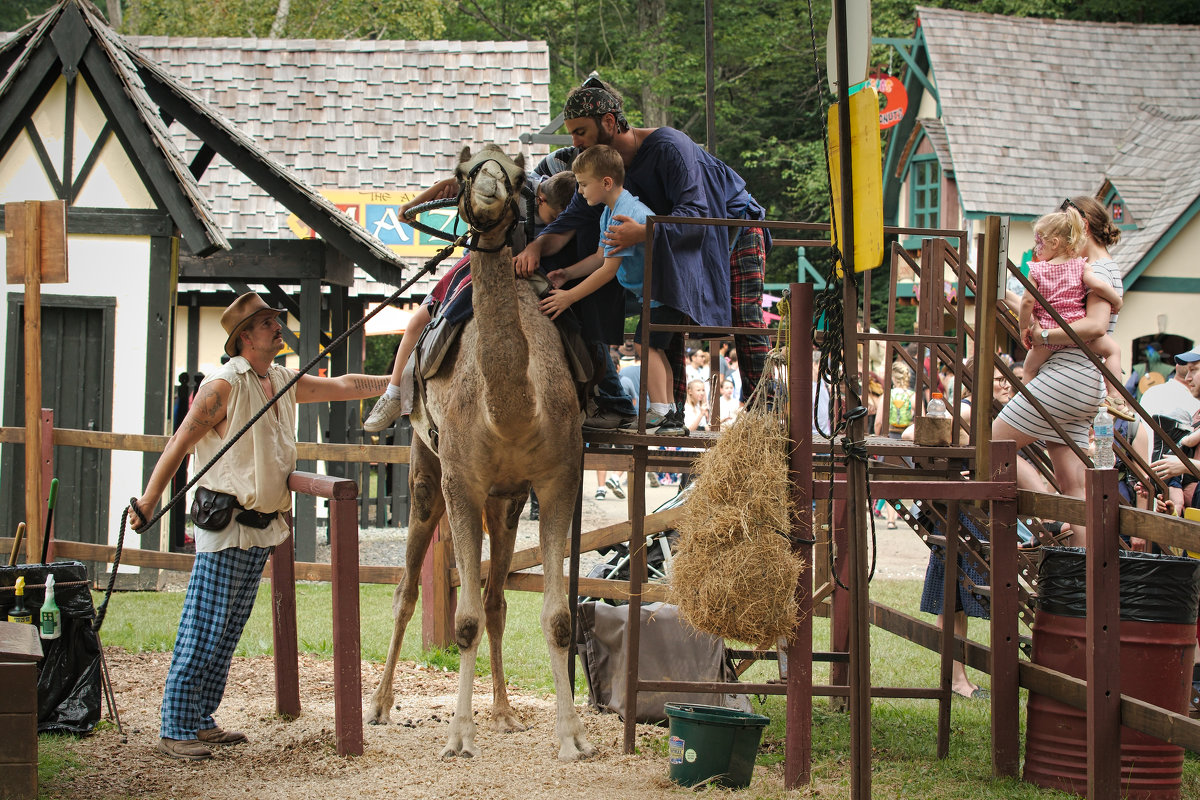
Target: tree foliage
{"points": [[769, 106]]}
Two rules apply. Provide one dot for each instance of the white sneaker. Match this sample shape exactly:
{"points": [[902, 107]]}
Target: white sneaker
{"points": [[385, 412], [614, 486], [600, 493]]}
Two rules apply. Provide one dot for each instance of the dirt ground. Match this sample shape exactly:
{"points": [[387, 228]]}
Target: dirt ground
{"points": [[297, 759]]}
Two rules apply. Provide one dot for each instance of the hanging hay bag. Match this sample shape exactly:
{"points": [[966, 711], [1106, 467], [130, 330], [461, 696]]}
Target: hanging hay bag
{"points": [[735, 574]]}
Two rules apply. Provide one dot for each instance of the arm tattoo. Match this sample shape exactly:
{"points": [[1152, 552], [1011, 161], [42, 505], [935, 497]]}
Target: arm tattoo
{"points": [[370, 383], [209, 410]]}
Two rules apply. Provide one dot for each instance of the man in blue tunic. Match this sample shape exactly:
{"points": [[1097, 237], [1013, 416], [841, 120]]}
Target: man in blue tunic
{"points": [[711, 273]]}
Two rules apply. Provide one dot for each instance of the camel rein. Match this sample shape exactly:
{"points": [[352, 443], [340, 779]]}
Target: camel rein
{"points": [[429, 267]]}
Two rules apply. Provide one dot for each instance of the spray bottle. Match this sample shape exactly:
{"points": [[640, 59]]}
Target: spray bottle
{"points": [[51, 617], [20, 612]]}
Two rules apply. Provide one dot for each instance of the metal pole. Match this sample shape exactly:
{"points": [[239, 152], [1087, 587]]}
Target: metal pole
{"points": [[710, 81], [856, 469]]}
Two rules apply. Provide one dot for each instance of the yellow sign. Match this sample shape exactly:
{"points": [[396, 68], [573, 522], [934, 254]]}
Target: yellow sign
{"points": [[379, 214], [866, 160]]}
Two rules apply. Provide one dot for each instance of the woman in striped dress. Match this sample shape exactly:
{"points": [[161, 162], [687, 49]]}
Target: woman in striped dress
{"points": [[1068, 384]]}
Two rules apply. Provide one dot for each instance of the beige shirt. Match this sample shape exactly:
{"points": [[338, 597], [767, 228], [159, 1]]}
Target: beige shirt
{"points": [[256, 468]]}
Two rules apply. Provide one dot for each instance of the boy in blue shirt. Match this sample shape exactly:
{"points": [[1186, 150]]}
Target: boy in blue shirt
{"points": [[600, 173]]}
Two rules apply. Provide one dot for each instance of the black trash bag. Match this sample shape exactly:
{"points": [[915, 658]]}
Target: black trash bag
{"points": [[69, 689], [1154, 588]]}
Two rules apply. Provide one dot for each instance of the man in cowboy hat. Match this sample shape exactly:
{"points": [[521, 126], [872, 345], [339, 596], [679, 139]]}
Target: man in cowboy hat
{"points": [[239, 503]]}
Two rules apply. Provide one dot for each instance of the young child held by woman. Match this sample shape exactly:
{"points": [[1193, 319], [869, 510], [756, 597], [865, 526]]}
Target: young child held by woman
{"points": [[600, 173], [1064, 278]]}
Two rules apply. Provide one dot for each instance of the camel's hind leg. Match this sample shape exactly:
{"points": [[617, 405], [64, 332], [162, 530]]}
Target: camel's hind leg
{"points": [[502, 514], [557, 508], [428, 506]]}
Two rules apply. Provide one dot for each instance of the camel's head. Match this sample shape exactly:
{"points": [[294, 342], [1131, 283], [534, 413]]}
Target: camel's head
{"points": [[489, 193]]}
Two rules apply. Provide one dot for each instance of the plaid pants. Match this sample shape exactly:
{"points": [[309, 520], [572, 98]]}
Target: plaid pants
{"points": [[220, 597], [747, 263]]}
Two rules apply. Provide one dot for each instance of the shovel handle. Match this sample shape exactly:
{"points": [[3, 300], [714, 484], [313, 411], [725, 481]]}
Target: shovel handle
{"points": [[12, 559]]}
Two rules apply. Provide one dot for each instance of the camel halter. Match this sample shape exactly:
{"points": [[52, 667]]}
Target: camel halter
{"points": [[511, 203]]}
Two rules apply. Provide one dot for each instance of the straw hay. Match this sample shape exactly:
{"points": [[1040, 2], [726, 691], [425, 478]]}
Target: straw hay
{"points": [[735, 574]]}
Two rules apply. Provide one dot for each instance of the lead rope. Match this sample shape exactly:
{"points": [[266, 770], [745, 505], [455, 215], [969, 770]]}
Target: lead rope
{"points": [[828, 307], [429, 267]]}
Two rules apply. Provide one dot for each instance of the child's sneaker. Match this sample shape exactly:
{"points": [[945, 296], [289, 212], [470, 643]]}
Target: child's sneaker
{"points": [[614, 486], [383, 414], [600, 493], [654, 419], [672, 425]]}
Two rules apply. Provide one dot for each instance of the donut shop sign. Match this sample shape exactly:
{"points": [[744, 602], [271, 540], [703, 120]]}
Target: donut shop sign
{"points": [[892, 95]]}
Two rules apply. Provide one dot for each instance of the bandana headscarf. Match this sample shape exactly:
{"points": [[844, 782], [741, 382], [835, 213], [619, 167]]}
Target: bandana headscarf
{"points": [[595, 101]]}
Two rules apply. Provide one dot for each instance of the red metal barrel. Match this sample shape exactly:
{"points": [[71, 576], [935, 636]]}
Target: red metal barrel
{"points": [[1156, 664]]}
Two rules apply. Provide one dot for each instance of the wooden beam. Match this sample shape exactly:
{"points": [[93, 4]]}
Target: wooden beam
{"points": [[1150, 525], [258, 261], [26, 90], [137, 442], [145, 153]]}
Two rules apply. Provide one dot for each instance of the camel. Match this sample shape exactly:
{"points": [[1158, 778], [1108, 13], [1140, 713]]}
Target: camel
{"points": [[500, 416]]}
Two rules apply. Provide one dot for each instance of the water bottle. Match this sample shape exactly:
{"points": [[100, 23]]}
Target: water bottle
{"points": [[1102, 425], [937, 407]]}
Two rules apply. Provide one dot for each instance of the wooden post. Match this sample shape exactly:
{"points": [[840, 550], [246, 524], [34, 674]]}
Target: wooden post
{"points": [[347, 660], [797, 767], [283, 629], [437, 595], [637, 572], [1103, 636], [1006, 749], [36, 253], [33, 381], [987, 287], [949, 614]]}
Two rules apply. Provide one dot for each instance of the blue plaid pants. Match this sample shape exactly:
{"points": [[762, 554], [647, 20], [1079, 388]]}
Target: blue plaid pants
{"points": [[220, 597]]}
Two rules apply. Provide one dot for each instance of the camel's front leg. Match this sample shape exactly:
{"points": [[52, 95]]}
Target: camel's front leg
{"points": [[557, 508], [502, 516], [466, 525], [425, 489]]}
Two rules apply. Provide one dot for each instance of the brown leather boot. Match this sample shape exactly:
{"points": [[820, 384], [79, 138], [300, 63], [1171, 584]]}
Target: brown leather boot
{"points": [[184, 749], [220, 736]]}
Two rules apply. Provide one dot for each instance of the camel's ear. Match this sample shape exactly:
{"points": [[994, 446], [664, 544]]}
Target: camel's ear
{"points": [[520, 160], [465, 155]]}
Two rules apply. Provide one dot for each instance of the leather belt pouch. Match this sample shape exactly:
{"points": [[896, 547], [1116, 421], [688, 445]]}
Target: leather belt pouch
{"points": [[212, 511]]}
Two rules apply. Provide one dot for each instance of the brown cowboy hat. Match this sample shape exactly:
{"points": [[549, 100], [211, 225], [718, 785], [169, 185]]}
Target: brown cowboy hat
{"points": [[240, 313]]}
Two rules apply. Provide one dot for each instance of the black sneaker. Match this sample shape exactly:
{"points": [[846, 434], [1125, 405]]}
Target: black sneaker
{"points": [[672, 425], [605, 420]]}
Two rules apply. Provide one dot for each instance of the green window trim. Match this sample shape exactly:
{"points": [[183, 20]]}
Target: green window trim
{"points": [[924, 191]]}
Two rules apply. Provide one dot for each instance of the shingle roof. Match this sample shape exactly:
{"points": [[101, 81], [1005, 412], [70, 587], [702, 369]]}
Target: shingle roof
{"points": [[935, 131], [1034, 108], [357, 115], [1156, 170]]}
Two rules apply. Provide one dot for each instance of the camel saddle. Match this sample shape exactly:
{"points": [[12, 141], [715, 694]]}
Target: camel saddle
{"points": [[443, 331]]}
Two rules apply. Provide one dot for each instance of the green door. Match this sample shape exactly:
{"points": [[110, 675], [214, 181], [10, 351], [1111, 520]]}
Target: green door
{"points": [[77, 381]]}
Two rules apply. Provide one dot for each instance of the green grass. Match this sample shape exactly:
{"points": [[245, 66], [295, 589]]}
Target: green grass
{"points": [[904, 732]]}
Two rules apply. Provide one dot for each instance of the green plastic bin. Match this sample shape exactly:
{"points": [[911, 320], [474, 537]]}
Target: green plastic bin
{"points": [[710, 743]]}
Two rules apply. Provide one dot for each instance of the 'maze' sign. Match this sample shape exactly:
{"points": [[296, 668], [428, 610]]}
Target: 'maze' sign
{"points": [[379, 214]]}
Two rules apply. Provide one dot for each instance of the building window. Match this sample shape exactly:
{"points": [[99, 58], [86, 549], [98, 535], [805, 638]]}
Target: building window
{"points": [[925, 186]]}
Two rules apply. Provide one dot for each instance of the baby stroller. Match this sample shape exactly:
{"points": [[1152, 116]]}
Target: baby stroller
{"points": [[658, 554]]}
